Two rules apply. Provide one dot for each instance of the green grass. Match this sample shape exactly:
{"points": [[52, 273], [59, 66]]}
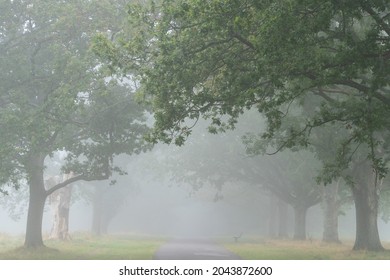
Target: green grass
{"points": [[83, 247], [255, 248], [132, 247]]}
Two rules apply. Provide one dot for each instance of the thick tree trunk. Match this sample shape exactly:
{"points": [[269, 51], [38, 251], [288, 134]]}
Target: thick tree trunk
{"points": [[300, 222], [366, 196], [282, 213], [366, 205], [331, 207], [37, 200]]}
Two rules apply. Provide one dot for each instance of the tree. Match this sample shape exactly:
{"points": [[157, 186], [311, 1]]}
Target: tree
{"points": [[331, 207], [56, 96], [213, 59], [107, 201], [218, 160], [290, 177], [60, 202]]}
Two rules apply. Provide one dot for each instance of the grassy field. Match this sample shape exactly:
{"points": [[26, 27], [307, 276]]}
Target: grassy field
{"points": [[131, 247], [83, 246], [260, 249]]}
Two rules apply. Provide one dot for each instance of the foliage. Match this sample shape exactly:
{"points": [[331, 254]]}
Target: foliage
{"points": [[214, 59], [55, 95]]}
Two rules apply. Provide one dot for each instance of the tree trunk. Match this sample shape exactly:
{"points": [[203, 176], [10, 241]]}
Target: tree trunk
{"points": [[300, 222], [53, 200], [366, 198], [331, 207], [105, 207], [60, 204], [97, 212], [282, 213], [37, 200]]}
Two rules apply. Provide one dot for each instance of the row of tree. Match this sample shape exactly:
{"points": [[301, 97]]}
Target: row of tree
{"points": [[288, 178], [317, 71]]}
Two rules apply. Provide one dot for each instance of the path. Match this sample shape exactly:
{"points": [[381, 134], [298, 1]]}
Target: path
{"points": [[193, 249]]}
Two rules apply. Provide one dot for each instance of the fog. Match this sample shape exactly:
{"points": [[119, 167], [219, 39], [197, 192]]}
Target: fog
{"points": [[189, 191]]}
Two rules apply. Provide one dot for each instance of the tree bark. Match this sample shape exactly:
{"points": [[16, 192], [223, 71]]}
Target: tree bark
{"points": [[300, 222], [366, 196], [60, 204], [331, 208], [38, 195], [33, 238]]}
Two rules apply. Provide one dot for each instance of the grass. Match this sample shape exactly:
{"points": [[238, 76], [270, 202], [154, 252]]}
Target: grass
{"points": [[255, 248], [83, 247]]}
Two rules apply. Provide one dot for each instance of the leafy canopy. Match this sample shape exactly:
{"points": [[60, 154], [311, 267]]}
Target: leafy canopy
{"points": [[56, 95], [215, 59]]}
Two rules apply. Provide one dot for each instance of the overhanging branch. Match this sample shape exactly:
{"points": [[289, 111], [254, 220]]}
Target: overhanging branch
{"points": [[242, 40], [76, 178], [365, 89]]}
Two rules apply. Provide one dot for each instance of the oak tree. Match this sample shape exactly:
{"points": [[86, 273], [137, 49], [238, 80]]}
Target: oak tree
{"points": [[55, 95], [214, 59]]}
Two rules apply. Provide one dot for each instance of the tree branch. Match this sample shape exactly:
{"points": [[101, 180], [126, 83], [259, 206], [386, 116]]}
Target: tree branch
{"points": [[322, 94], [75, 179], [364, 89], [242, 40], [376, 17], [382, 98], [209, 45]]}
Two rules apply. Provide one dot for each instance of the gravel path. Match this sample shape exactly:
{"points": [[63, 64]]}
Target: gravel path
{"points": [[193, 249]]}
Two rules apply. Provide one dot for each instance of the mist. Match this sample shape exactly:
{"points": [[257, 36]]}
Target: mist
{"points": [[190, 191]]}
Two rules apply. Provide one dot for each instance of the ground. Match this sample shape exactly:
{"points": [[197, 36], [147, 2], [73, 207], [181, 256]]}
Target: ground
{"points": [[136, 247]]}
